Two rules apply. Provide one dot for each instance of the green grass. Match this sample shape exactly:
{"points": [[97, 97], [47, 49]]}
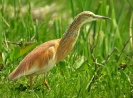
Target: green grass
{"points": [[20, 32]]}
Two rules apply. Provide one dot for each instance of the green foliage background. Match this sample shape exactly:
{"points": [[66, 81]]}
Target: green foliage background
{"points": [[101, 63]]}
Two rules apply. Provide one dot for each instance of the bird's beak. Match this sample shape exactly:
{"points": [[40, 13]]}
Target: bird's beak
{"points": [[101, 17]]}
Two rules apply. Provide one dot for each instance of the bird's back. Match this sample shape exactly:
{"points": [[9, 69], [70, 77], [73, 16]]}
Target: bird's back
{"points": [[38, 61]]}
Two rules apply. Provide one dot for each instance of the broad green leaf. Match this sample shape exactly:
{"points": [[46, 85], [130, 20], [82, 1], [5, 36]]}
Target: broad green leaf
{"points": [[18, 52], [79, 63], [84, 66], [15, 53], [27, 49]]}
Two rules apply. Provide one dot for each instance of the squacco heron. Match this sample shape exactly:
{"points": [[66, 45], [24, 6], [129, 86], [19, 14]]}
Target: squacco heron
{"points": [[43, 58]]}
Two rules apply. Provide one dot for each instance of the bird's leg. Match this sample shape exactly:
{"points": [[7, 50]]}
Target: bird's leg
{"points": [[45, 82], [31, 78]]}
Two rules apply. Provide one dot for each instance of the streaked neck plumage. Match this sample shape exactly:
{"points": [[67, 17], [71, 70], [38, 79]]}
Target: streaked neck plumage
{"points": [[74, 27], [69, 38]]}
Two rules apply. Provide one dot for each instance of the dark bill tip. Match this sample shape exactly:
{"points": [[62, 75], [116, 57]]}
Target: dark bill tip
{"points": [[105, 17]]}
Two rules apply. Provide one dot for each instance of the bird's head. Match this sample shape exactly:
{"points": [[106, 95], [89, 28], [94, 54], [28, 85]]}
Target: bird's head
{"points": [[88, 16]]}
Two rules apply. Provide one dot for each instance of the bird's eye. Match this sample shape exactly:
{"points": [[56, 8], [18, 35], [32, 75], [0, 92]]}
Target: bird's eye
{"points": [[90, 15]]}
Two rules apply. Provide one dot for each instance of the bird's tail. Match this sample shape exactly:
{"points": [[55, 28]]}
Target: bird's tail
{"points": [[15, 74], [11, 76]]}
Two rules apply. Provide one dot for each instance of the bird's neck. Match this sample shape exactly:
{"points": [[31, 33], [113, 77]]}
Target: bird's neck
{"points": [[74, 28], [72, 32], [69, 38]]}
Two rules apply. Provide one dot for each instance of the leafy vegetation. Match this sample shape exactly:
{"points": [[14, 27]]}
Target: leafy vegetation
{"points": [[101, 63]]}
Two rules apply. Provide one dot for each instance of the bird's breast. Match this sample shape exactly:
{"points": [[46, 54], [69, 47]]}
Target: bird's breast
{"points": [[46, 68]]}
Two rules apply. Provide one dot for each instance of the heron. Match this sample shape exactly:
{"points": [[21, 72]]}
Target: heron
{"points": [[43, 58]]}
